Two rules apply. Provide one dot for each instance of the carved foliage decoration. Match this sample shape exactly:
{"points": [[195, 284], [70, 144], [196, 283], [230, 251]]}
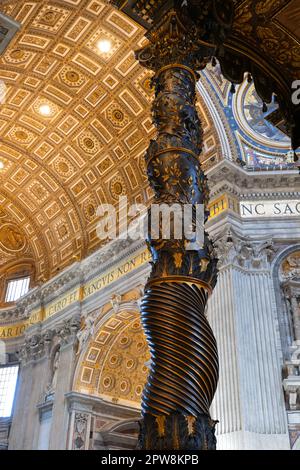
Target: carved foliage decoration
{"points": [[80, 430], [251, 36], [243, 252]]}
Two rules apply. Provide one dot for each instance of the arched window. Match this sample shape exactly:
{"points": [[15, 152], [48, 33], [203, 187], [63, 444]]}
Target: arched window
{"points": [[16, 288], [15, 281]]}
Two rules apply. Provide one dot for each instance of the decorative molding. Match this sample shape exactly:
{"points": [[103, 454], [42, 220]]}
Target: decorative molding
{"points": [[81, 431], [244, 252], [38, 343], [230, 177], [78, 273], [291, 383]]}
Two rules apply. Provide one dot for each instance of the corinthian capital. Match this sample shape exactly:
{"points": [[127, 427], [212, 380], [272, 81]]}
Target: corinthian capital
{"points": [[242, 252], [67, 331], [187, 33]]}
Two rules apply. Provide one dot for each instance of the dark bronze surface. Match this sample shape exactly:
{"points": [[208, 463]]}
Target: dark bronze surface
{"points": [[184, 361], [176, 431], [184, 367]]}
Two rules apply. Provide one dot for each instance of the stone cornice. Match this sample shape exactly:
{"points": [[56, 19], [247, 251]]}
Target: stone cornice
{"points": [[230, 177], [81, 402], [45, 407]]}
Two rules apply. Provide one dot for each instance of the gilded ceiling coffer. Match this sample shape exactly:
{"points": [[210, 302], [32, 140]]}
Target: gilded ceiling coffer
{"points": [[183, 36]]}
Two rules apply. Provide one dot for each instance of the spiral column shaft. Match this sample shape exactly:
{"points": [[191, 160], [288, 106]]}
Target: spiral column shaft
{"points": [[183, 374], [183, 36], [184, 361]]}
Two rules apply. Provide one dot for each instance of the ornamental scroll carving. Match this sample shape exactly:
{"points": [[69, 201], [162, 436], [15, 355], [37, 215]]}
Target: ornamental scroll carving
{"points": [[244, 252], [38, 343]]}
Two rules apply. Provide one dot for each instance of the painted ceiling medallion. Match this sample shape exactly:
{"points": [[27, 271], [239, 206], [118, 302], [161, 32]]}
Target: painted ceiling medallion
{"points": [[108, 383], [11, 238], [89, 208], [16, 56], [21, 135], [38, 191], [125, 386], [115, 360], [63, 167], [131, 363], [50, 18]]}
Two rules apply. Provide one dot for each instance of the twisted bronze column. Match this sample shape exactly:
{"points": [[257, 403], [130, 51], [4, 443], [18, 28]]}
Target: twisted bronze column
{"points": [[184, 361]]}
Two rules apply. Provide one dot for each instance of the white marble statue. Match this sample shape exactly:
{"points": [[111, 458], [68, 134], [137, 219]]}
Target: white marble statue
{"points": [[87, 330]]}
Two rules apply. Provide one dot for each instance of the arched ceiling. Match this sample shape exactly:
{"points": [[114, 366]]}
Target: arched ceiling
{"points": [[113, 364], [58, 169]]}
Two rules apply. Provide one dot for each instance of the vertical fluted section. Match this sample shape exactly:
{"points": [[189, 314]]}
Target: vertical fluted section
{"points": [[267, 378], [249, 398], [221, 313]]}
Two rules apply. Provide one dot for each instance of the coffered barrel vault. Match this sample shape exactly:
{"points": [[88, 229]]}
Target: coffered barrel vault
{"points": [[75, 123], [89, 149]]}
